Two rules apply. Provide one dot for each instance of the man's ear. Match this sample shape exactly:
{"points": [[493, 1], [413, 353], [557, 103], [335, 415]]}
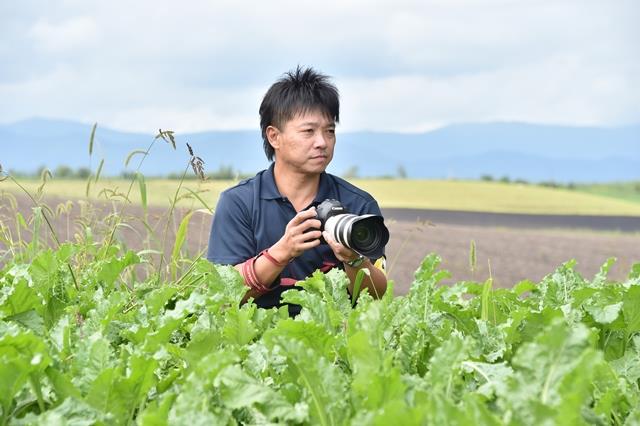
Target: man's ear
{"points": [[272, 137]]}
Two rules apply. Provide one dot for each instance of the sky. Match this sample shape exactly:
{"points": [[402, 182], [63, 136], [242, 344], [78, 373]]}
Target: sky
{"points": [[405, 66]]}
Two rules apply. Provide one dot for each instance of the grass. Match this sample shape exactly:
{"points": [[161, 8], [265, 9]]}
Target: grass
{"points": [[160, 192], [420, 194], [629, 191], [493, 197]]}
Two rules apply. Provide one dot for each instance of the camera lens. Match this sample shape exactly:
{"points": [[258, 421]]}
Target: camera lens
{"points": [[362, 235], [365, 234]]}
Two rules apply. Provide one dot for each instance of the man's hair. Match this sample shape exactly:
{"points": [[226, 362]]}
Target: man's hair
{"points": [[297, 92]]}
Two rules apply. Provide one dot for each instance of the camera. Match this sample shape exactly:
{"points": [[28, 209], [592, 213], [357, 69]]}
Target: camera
{"points": [[364, 234]]}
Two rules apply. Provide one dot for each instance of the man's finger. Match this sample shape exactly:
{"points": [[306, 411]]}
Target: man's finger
{"points": [[328, 238], [309, 244], [309, 236], [307, 224], [303, 215]]}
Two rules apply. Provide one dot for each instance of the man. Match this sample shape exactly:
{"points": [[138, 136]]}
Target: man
{"points": [[266, 225]]}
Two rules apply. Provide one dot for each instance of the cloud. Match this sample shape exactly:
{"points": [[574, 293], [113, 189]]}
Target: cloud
{"points": [[405, 65], [558, 90], [73, 33]]}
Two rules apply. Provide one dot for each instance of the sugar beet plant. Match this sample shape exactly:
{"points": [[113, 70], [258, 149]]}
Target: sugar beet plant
{"points": [[187, 352], [86, 340]]}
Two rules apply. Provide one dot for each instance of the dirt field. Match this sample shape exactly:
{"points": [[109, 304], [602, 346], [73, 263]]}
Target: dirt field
{"points": [[514, 253]]}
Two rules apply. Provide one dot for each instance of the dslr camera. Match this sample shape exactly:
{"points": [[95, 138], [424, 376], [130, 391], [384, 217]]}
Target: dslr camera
{"points": [[364, 234]]}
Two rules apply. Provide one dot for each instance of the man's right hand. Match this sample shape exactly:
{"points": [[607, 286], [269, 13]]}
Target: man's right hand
{"points": [[301, 234]]}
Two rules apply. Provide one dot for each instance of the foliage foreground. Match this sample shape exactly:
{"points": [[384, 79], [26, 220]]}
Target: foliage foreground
{"points": [[100, 349]]}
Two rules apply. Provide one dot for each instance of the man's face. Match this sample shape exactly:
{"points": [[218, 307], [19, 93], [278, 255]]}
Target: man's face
{"points": [[305, 143]]}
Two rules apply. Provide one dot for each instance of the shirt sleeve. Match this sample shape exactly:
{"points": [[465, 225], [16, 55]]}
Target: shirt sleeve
{"points": [[232, 239]]}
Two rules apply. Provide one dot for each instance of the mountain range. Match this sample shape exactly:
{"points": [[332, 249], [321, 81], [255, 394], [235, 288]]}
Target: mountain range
{"points": [[531, 152]]}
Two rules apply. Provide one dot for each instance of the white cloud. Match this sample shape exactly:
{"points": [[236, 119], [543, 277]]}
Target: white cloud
{"points": [[405, 65], [559, 90], [73, 33]]}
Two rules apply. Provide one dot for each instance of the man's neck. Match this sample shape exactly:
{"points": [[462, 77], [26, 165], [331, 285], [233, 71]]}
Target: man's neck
{"points": [[299, 188]]}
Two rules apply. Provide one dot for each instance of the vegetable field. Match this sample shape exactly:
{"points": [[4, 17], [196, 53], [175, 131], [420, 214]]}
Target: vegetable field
{"points": [[99, 347]]}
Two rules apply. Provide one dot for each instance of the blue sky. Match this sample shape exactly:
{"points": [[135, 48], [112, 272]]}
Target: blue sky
{"points": [[400, 65]]}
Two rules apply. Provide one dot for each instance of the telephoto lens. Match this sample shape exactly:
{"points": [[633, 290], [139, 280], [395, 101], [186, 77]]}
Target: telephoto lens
{"points": [[365, 234]]}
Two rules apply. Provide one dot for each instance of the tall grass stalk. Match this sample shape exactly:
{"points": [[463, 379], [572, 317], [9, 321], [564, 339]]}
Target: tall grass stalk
{"points": [[43, 212], [167, 136]]}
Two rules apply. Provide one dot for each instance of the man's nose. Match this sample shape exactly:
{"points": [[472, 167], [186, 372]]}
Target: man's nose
{"points": [[320, 140]]}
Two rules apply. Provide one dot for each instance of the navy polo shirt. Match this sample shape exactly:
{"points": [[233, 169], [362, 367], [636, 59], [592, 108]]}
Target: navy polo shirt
{"points": [[252, 216]]}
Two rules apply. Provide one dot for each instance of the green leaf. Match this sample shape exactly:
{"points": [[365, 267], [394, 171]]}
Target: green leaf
{"points": [[14, 374], [62, 384], [18, 299], [605, 314], [181, 235], [634, 273], [322, 384], [376, 382], [110, 269], [523, 287], [631, 309], [239, 328], [239, 390], [93, 355], [120, 394], [24, 357], [358, 283], [72, 412], [544, 370], [29, 319], [628, 366], [601, 276], [445, 366], [492, 379]]}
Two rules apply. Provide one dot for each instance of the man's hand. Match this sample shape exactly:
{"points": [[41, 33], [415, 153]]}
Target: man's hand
{"points": [[301, 234], [343, 254], [376, 280]]}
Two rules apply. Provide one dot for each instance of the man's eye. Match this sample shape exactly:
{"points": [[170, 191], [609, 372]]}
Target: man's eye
{"points": [[308, 130]]}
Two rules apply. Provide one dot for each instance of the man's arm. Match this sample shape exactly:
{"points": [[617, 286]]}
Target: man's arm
{"points": [[376, 282], [299, 236]]}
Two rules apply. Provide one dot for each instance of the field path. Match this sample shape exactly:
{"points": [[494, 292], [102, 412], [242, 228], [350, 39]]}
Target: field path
{"points": [[519, 221]]}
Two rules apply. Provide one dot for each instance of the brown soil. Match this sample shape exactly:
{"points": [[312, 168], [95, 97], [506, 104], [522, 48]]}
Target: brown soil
{"points": [[514, 254]]}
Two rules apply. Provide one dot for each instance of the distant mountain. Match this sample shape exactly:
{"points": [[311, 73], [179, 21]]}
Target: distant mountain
{"points": [[467, 151]]}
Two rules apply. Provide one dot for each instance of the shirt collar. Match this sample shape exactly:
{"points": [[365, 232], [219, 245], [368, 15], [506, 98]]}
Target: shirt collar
{"points": [[269, 190]]}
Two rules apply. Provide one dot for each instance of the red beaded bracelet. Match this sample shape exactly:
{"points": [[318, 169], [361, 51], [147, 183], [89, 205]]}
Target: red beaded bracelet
{"points": [[272, 259], [250, 276]]}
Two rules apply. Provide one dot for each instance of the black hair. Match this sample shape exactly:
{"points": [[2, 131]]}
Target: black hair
{"points": [[297, 92]]}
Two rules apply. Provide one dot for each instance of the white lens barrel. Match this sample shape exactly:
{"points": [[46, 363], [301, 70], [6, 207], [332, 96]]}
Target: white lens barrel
{"points": [[339, 227]]}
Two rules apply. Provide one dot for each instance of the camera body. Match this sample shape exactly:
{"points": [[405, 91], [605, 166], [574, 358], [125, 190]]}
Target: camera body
{"points": [[364, 234]]}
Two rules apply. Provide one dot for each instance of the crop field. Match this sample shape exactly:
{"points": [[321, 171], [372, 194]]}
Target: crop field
{"points": [[84, 341], [407, 193], [97, 330]]}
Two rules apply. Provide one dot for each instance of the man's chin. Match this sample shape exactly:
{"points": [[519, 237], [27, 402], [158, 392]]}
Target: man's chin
{"points": [[317, 168]]}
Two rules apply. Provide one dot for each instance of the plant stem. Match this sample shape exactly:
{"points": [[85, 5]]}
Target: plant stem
{"points": [[53, 232]]}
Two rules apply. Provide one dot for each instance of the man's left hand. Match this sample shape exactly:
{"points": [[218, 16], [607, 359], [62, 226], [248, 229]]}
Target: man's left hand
{"points": [[343, 254]]}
